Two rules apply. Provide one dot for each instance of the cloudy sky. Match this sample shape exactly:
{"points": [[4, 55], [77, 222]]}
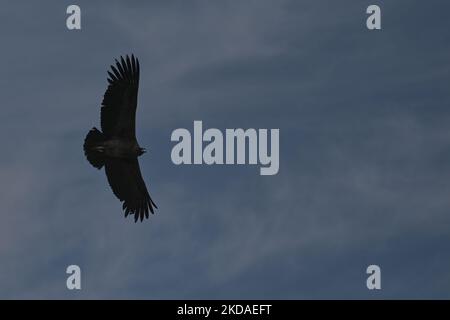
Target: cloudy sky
{"points": [[364, 174]]}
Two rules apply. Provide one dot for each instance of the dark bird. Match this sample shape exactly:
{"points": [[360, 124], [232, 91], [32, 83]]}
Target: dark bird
{"points": [[116, 146]]}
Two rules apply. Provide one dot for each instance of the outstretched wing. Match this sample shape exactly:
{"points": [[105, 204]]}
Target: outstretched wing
{"points": [[118, 112], [124, 177]]}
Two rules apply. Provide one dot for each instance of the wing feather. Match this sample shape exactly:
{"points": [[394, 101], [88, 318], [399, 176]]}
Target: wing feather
{"points": [[125, 179], [118, 112]]}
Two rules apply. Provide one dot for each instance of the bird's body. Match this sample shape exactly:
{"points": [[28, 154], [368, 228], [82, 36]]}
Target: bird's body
{"points": [[120, 148], [116, 147]]}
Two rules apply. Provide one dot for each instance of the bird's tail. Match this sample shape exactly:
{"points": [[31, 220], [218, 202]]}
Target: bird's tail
{"points": [[93, 148]]}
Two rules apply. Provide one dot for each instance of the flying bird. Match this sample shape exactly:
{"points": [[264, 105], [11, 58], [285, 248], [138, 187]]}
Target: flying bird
{"points": [[116, 147]]}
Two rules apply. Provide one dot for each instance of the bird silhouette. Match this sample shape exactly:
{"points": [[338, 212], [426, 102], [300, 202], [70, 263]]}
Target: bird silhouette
{"points": [[116, 147]]}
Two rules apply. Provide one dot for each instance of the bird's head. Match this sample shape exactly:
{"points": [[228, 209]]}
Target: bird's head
{"points": [[141, 151]]}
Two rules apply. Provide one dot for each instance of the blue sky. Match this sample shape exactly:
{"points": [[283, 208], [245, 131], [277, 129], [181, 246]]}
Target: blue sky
{"points": [[364, 150]]}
